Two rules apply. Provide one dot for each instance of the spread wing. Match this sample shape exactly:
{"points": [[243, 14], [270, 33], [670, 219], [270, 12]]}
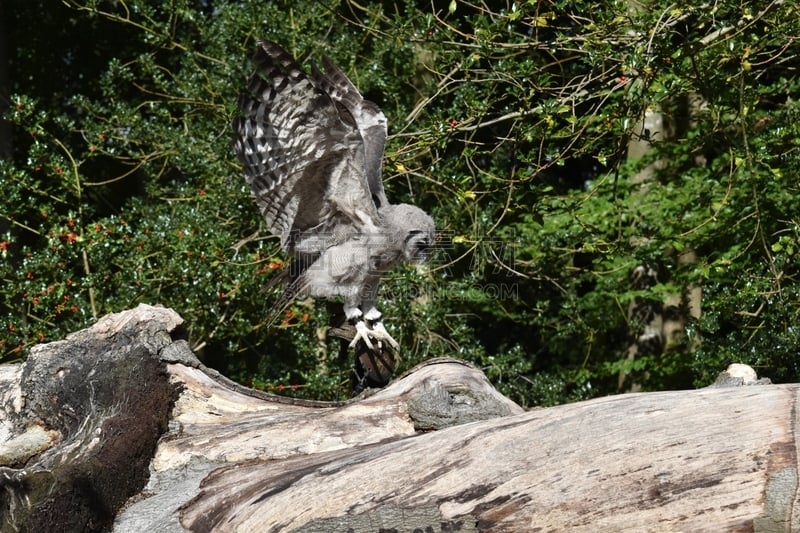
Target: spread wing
{"points": [[369, 118], [301, 141]]}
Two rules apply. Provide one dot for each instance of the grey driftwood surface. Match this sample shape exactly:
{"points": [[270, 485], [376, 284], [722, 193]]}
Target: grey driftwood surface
{"points": [[119, 427]]}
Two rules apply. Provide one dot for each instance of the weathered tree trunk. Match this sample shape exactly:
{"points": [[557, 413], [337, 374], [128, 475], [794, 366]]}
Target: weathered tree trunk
{"points": [[119, 426], [657, 327]]}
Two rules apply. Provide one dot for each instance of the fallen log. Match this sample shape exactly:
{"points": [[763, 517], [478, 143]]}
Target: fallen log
{"points": [[120, 427]]}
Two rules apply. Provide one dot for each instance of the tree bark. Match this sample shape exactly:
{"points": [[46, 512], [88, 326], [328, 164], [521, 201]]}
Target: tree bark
{"points": [[120, 427]]}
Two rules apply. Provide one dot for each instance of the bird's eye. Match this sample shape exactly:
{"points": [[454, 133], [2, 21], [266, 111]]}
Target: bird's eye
{"points": [[411, 238]]}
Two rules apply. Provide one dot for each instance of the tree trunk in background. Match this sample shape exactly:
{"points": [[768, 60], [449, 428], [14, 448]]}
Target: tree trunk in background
{"points": [[657, 326]]}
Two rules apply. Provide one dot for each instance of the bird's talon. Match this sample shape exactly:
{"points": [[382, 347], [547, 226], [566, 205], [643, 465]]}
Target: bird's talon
{"points": [[379, 333], [362, 333], [373, 335]]}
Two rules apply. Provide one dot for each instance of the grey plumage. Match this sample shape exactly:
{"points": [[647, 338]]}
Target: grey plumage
{"points": [[311, 147]]}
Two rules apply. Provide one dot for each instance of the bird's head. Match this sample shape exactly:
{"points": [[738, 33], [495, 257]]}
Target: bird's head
{"points": [[412, 228]]}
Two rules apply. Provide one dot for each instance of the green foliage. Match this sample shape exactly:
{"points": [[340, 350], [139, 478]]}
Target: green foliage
{"points": [[510, 126]]}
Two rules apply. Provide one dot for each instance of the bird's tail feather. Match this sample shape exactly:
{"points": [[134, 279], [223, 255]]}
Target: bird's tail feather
{"points": [[290, 292], [295, 283]]}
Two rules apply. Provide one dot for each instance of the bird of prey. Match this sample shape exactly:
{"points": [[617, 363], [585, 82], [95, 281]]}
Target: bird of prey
{"points": [[311, 147]]}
